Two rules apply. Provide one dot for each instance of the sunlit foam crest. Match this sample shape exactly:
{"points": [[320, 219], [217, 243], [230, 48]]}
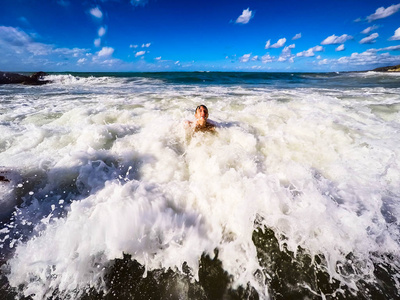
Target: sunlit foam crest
{"points": [[109, 81]]}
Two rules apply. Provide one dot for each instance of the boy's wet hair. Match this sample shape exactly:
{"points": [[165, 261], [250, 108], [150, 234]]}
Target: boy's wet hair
{"points": [[201, 105]]}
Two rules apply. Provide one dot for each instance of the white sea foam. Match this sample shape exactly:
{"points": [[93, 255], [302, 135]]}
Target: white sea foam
{"points": [[318, 167]]}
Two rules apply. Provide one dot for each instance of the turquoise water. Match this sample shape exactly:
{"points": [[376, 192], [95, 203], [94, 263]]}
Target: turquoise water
{"points": [[110, 195]]}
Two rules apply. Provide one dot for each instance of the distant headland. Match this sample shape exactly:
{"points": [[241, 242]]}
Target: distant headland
{"points": [[388, 69]]}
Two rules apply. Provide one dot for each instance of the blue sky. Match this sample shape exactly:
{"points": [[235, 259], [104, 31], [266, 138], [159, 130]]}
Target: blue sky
{"points": [[219, 35]]}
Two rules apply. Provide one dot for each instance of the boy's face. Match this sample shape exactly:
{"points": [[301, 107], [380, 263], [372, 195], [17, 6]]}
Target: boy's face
{"points": [[201, 113]]}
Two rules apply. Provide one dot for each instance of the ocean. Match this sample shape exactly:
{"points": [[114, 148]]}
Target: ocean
{"points": [[106, 194]]}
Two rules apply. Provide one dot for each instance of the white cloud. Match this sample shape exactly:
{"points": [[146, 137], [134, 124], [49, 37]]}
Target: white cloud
{"points": [[367, 58], [133, 46], [297, 36], [306, 53], [14, 36], [17, 41], [357, 58], [323, 62], [382, 12], [81, 61], [140, 53], [146, 45], [369, 39], [396, 35], [97, 42], [254, 58], [245, 17], [310, 52], [75, 52], [111, 63], [245, 58], [286, 53], [340, 48], [19, 50], [102, 31], [333, 39], [266, 58], [278, 44], [390, 48], [96, 12], [158, 58], [39, 49], [369, 29], [287, 49], [318, 48], [105, 51]]}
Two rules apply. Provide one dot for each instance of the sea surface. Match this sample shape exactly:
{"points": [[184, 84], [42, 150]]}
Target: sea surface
{"points": [[106, 194]]}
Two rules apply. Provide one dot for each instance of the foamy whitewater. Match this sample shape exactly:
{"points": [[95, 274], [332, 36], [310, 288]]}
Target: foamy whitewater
{"points": [[108, 194]]}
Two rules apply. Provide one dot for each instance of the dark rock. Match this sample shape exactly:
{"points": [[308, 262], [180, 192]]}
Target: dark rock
{"points": [[14, 78], [11, 78], [3, 178], [9, 179]]}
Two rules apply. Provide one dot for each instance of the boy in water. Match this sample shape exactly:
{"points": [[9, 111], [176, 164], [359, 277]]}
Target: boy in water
{"points": [[201, 124]]}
